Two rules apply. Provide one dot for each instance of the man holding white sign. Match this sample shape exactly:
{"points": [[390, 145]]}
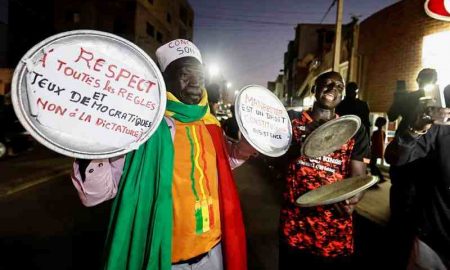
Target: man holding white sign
{"points": [[176, 202], [320, 237]]}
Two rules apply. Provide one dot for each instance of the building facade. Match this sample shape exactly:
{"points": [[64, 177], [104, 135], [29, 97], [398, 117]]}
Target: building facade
{"points": [[277, 87], [394, 45], [5, 80], [311, 53], [147, 23], [3, 44]]}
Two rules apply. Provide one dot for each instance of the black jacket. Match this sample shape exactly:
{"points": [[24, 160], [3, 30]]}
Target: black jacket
{"points": [[433, 191]]}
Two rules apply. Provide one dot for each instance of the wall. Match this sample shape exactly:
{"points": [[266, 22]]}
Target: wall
{"points": [[3, 44], [29, 22], [115, 17], [390, 48], [165, 18], [5, 80]]}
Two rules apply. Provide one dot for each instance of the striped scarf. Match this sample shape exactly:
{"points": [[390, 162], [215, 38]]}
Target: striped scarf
{"points": [[190, 113]]}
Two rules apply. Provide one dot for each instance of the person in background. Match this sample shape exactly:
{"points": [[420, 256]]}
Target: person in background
{"points": [[447, 96], [377, 147], [426, 139], [405, 101], [402, 197], [231, 127], [320, 237], [176, 204], [353, 105], [213, 90]]}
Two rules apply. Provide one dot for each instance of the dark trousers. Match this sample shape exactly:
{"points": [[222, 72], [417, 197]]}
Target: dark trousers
{"points": [[402, 223], [374, 170], [291, 258]]}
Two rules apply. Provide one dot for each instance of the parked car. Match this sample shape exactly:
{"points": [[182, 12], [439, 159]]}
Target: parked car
{"points": [[14, 139]]}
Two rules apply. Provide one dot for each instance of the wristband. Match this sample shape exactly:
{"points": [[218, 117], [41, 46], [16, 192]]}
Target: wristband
{"points": [[418, 132]]}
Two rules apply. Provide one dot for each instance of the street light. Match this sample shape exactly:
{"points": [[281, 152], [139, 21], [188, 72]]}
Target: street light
{"points": [[213, 70], [229, 85]]}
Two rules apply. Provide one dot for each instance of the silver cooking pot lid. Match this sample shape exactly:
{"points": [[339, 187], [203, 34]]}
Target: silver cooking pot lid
{"points": [[330, 136], [88, 94], [263, 120]]}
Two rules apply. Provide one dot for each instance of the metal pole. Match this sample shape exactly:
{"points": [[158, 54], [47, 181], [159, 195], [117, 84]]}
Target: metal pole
{"points": [[337, 38]]}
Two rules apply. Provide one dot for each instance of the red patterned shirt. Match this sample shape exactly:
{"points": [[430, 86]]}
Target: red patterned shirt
{"points": [[321, 230]]}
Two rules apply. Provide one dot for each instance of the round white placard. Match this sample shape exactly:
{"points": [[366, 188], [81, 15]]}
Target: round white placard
{"points": [[88, 94], [263, 120]]}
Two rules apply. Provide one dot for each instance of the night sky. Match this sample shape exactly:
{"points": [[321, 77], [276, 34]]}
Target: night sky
{"points": [[247, 38]]}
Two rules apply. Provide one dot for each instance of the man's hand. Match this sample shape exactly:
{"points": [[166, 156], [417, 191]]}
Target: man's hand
{"points": [[429, 116], [358, 168], [348, 206], [310, 127], [246, 149], [83, 164]]}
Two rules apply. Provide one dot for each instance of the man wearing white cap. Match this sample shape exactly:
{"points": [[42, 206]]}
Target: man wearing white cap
{"points": [[177, 206]]}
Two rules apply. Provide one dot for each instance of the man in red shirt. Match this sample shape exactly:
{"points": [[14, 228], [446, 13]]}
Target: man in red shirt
{"points": [[320, 237]]}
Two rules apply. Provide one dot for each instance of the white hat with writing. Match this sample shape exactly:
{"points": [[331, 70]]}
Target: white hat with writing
{"points": [[176, 49]]}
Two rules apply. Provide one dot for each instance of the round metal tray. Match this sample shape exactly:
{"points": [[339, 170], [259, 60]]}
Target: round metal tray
{"points": [[69, 135], [337, 191], [263, 120], [330, 136]]}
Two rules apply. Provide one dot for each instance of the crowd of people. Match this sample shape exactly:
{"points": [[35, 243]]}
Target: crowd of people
{"points": [[176, 205]]}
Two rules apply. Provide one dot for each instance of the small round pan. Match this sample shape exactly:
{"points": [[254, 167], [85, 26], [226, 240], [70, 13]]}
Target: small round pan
{"points": [[337, 191], [88, 94], [330, 136], [263, 120]]}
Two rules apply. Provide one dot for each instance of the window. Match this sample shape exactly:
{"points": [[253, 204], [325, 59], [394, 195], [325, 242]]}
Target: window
{"points": [[150, 30], [119, 26], [7, 88], [72, 16], [68, 16], [183, 15], [329, 37], [168, 18], [76, 17], [159, 37], [182, 33]]}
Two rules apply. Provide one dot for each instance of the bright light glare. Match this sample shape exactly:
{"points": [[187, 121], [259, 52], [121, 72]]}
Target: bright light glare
{"points": [[435, 55], [236, 92], [213, 70], [229, 84], [308, 101], [429, 87]]}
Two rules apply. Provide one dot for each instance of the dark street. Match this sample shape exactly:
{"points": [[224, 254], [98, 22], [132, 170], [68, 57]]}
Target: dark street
{"points": [[46, 226]]}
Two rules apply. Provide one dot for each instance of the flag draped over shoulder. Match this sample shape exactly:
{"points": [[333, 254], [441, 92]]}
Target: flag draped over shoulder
{"points": [[140, 230]]}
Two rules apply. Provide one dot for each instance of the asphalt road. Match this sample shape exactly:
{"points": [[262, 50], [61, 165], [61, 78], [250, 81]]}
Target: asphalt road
{"points": [[46, 227]]}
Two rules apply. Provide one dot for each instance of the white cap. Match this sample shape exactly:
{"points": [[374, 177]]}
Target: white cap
{"points": [[176, 49]]}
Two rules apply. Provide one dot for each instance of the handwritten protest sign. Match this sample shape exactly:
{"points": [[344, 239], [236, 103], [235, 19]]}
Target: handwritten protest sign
{"points": [[88, 94], [263, 120]]}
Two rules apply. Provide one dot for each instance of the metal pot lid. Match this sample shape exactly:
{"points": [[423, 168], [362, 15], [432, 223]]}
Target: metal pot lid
{"points": [[263, 120], [88, 94], [337, 191], [330, 136]]}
